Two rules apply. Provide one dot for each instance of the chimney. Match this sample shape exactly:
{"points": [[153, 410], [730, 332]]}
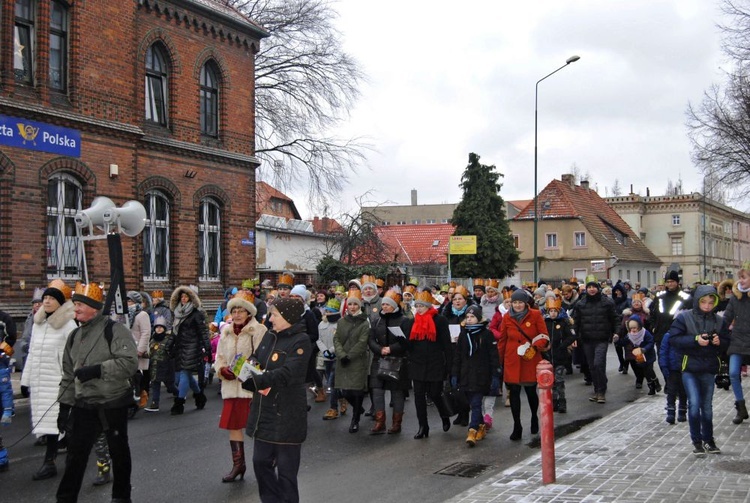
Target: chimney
{"points": [[648, 192], [569, 179], [413, 197], [585, 184]]}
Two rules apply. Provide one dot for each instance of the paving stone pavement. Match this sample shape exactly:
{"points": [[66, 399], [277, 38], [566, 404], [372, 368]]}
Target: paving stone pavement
{"points": [[633, 455]]}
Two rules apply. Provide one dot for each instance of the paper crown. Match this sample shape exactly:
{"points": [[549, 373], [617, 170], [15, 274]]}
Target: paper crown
{"points": [[60, 285], [340, 289], [453, 284], [250, 283], [461, 290], [553, 303], [745, 266], [92, 291], [492, 283], [355, 294], [507, 294], [413, 281], [245, 300], [478, 282], [334, 304], [591, 279], [425, 297], [393, 294], [366, 278], [379, 282], [157, 294], [638, 296], [286, 279], [410, 290], [445, 288]]}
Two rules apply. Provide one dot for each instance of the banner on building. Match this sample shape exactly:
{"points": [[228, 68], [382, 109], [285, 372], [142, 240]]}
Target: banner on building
{"points": [[463, 245], [32, 135], [598, 266]]}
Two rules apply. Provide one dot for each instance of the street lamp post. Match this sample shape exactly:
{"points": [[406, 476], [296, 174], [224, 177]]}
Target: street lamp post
{"points": [[568, 61]]}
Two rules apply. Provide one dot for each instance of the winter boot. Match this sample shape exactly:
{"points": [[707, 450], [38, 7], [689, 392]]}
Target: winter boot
{"points": [[178, 407], [331, 414], [517, 431], [657, 384], [238, 461], [670, 415], [200, 400], [379, 427], [741, 412], [47, 471], [471, 438], [342, 406], [397, 418], [481, 432], [681, 415], [562, 406], [320, 395], [651, 388], [102, 473]]}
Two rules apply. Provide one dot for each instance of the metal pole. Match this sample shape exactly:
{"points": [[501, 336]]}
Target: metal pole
{"points": [[545, 378], [570, 60]]}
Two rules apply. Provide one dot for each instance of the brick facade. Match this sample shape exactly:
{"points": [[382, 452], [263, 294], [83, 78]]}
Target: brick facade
{"points": [[105, 101]]}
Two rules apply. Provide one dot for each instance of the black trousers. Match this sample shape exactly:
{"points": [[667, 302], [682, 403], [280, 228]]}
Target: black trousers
{"points": [[423, 389], [276, 467], [87, 424]]}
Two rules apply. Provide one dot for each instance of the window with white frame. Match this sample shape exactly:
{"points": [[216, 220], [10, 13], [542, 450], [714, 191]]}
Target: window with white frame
{"points": [[675, 219], [23, 42], [156, 237], [64, 200], [551, 240], [676, 245], [209, 231], [156, 84], [580, 239]]}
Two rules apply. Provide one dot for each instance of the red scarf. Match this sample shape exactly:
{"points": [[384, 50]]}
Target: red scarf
{"points": [[424, 326], [238, 328]]}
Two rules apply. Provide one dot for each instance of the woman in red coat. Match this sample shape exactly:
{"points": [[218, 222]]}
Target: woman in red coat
{"points": [[523, 335]]}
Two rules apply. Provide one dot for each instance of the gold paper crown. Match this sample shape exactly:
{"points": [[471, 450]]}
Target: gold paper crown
{"points": [[479, 282], [393, 294], [425, 297], [245, 295], [410, 289], [492, 283], [286, 278], [745, 265], [367, 279], [506, 293], [379, 282], [60, 285], [92, 291], [354, 293], [553, 303], [157, 294], [638, 296], [461, 290]]}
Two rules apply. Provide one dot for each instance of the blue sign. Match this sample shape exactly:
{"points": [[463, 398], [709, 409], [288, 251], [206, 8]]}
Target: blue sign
{"points": [[247, 242], [22, 133]]}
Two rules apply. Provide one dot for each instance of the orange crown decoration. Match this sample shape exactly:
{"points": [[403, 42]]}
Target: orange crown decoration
{"points": [[410, 289], [553, 303], [461, 290], [245, 295], [638, 296], [286, 278], [157, 294], [479, 282], [492, 283], [92, 291], [60, 285], [425, 297], [356, 294], [379, 282], [393, 294], [506, 293], [367, 279]]}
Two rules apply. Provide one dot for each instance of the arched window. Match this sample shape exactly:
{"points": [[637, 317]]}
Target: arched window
{"points": [[209, 99], [209, 231], [64, 255], [156, 84], [156, 237], [23, 42], [58, 45]]}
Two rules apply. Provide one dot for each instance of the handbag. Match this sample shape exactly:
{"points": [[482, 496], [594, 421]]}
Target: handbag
{"points": [[389, 368]]}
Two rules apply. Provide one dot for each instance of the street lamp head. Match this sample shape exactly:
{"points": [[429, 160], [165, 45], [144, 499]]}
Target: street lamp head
{"points": [[572, 59]]}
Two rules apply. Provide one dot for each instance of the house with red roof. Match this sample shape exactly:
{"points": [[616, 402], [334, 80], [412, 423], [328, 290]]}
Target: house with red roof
{"points": [[579, 234]]}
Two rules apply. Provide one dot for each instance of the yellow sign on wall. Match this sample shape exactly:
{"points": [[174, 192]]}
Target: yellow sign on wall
{"points": [[463, 245]]}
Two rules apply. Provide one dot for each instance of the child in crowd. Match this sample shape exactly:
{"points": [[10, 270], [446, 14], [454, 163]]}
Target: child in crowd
{"points": [[671, 367], [699, 337], [638, 346], [562, 337], [327, 357], [737, 316], [6, 389], [161, 365]]}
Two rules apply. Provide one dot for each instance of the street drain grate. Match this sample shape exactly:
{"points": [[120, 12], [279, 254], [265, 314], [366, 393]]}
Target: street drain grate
{"points": [[741, 466], [468, 470]]}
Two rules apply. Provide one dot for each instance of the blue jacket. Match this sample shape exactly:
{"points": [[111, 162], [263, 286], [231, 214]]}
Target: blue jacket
{"points": [[670, 360], [688, 325]]}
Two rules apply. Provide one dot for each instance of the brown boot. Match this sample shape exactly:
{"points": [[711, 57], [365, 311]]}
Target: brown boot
{"points": [[471, 438], [397, 418], [238, 461], [481, 432], [143, 400], [320, 396], [379, 427], [342, 406]]}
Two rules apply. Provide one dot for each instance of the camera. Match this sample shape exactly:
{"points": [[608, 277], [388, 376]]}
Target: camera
{"points": [[705, 337]]}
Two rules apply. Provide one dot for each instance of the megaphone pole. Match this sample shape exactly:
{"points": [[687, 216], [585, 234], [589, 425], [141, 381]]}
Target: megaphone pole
{"points": [[116, 291], [82, 244]]}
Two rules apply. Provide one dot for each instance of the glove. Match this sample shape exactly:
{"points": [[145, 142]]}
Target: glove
{"points": [[89, 372], [328, 354], [63, 418], [7, 417], [25, 392], [495, 386], [344, 361], [615, 338], [499, 370], [454, 381], [227, 374]]}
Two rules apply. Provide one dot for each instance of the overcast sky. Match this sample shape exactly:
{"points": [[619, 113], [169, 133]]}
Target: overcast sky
{"points": [[449, 78]]}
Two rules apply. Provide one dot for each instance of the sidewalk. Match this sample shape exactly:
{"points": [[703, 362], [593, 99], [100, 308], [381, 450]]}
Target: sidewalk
{"points": [[633, 455]]}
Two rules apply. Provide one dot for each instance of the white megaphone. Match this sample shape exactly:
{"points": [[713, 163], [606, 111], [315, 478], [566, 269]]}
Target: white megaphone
{"points": [[95, 214], [130, 218]]}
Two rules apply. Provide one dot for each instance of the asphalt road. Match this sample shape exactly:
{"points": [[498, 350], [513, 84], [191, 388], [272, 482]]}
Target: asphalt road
{"points": [[183, 458]]}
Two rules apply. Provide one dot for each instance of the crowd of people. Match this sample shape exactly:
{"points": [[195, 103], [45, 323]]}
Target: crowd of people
{"points": [[362, 343]]}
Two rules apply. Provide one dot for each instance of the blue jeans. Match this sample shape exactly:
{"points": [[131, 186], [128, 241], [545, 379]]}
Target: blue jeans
{"points": [[6, 391], [183, 380], [475, 404], [735, 366], [699, 388]]}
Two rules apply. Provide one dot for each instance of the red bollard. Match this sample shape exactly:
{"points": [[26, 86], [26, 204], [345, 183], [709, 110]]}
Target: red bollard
{"points": [[545, 378]]}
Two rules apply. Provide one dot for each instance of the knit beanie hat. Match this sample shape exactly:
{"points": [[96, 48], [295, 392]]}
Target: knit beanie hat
{"points": [[55, 294], [290, 309], [521, 295], [300, 291], [475, 310]]}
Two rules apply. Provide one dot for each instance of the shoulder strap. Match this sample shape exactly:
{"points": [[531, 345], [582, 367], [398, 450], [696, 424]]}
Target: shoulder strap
{"points": [[108, 334]]}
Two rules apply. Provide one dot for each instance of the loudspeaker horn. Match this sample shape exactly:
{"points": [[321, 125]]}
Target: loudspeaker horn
{"points": [[130, 218], [95, 214]]}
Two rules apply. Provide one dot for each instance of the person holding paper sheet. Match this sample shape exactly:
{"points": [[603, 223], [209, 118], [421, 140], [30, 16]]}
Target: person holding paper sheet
{"points": [[389, 336], [237, 343]]}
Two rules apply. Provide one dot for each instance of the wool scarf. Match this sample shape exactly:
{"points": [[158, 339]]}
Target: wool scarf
{"points": [[180, 313], [424, 326]]}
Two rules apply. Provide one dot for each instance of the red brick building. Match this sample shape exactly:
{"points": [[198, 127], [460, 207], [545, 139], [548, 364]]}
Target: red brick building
{"points": [[149, 100]]}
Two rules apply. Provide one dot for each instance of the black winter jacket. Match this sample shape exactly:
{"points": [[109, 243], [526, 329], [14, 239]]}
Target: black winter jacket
{"points": [[476, 360], [595, 318], [431, 361], [281, 416], [191, 343], [561, 336], [380, 337]]}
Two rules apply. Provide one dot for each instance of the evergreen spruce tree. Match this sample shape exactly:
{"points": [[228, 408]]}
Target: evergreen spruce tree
{"points": [[481, 213]]}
